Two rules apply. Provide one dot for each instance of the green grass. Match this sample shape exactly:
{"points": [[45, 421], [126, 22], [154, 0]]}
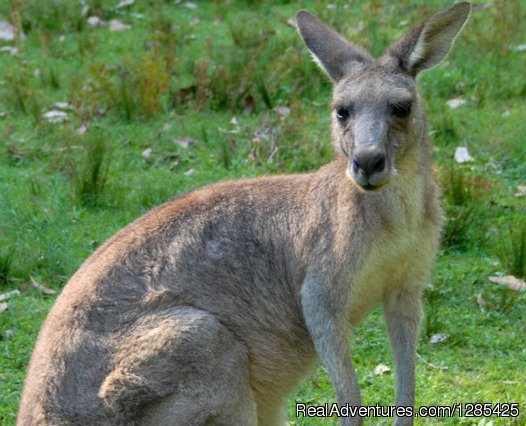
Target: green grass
{"points": [[188, 72]]}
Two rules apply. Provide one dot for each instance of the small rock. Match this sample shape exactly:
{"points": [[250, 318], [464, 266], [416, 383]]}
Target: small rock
{"points": [[63, 106], [520, 48], [462, 155], [9, 334], [506, 114], [41, 287], [55, 116], [190, 5], [438, 338], [124, 3], [184, 142], [282, 110], [190, 172], [147, 153], [7, 295], [521, 191], [455, 103], [3, 307], [381, 369], [513, 283], [81, 130], [8, 31], [85, 8], [195, 21], [12, 50], [95, 21], [118, 25], [234, 122]]}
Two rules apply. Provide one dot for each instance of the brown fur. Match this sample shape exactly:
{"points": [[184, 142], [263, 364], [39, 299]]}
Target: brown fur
{"points": [[212, 307]]}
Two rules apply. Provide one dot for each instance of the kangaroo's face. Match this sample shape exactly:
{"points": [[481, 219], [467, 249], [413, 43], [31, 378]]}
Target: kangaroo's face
{"points": [[376, 118]]}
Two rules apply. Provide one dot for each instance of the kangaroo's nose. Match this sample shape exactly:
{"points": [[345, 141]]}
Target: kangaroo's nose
{"points": [[369, 163]]}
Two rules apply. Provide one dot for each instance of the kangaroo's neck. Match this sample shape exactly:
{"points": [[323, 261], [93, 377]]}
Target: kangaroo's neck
{"points": [[412, 194], [408, 200]]}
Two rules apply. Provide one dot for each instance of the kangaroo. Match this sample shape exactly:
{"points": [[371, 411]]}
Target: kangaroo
{"points": [[212, 307]]}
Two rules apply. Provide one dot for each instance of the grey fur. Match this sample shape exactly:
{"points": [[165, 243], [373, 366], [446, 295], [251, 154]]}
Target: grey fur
{"points": [[211, 308]]}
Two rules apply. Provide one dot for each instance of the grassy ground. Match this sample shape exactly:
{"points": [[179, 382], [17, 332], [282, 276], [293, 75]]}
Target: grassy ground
{"points": [[216, 73]]}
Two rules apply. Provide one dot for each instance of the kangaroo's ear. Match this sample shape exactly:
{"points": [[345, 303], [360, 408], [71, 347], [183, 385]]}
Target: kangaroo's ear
{"points": [[427, 44], [335, 55]]}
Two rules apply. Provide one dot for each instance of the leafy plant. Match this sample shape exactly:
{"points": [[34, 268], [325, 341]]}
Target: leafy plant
{"points": [[6, 260], [92, 169], [432, 320], [462, 197], [21, 93], [512, 250]]}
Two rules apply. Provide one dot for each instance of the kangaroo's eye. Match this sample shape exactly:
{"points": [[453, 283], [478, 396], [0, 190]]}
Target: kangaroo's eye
{"points": [[343, 113], [402, 109]]}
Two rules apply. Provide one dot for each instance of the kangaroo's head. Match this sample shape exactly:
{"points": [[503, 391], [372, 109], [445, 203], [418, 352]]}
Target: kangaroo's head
{"points": [[377, 117]]}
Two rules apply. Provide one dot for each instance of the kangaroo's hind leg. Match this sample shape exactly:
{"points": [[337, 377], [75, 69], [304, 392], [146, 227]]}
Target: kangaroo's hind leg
{"points": [[180, 366]]}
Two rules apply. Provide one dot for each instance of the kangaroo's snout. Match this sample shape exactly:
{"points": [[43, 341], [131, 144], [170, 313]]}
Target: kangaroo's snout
{"points": [[368, 169], [369, 163]]}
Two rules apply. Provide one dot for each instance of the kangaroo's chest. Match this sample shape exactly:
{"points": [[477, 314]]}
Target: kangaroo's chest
{"points": [[400, 259]]}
